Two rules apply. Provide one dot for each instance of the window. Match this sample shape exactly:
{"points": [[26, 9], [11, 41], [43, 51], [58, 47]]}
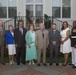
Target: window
{"points": [[34, 11], [34, 7], [39, 10], [39, 1], [61, 8], [66, 9], [29, 1], [12, 8], [56, 12], [29, 10], [8, 8], [56, 8], [3, 8], [39, 13]]}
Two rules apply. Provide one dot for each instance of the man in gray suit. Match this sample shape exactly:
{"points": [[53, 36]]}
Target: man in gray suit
{"points": [[2, 38], [54, 39], [42, 41]]}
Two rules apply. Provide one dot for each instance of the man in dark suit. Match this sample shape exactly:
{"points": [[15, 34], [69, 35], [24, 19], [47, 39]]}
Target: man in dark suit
{"points": [[19, 34], [2, 38], [54, 38]]}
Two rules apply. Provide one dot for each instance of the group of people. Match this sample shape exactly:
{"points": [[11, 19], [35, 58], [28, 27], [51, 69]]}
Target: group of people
{"points": [[31, 45]]}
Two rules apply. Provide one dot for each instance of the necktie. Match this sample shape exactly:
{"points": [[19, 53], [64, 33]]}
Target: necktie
{"points": [[21, 31], [43, 34]]}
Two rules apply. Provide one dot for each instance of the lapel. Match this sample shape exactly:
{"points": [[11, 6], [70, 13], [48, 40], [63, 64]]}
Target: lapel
{"points": [[10, 34], [2, 32], [20, 32], [40, 33], [23, 31], [44, 34], [54, 33]]}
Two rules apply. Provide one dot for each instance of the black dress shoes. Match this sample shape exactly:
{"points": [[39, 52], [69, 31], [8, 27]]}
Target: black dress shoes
{"points": [[18, 63], [57, 64], [74, 67], [71, 64], [50, 64], [3, 63], [44, 64], [23, 63], [64, 64], [38, 64]]}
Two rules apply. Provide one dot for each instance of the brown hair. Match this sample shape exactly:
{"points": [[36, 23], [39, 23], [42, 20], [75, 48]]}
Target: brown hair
{"points": [[30, 26], [74, 23], [10, 26], [63, 25]]}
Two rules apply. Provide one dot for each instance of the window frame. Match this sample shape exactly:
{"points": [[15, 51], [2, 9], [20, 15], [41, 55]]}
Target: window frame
{"points": [[7, 6], [61, 8], [34, 4]]}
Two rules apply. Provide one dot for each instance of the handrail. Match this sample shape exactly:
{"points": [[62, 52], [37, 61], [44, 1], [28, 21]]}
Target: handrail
{"points": [[9, 20], [34, 19], [61, 21]]}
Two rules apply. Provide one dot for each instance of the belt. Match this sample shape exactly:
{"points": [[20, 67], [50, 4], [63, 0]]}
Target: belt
{"points": [[73, 36]]}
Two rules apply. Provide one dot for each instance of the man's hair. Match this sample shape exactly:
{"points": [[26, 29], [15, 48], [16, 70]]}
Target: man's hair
{"points": [[20, 21], [54, 24]]}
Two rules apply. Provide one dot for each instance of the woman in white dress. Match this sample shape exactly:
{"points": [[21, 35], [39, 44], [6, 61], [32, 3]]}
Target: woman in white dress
{"points": [[10, 44], [65, 42]]}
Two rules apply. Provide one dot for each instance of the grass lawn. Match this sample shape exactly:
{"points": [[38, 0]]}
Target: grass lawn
{"points": [[61, 58]]}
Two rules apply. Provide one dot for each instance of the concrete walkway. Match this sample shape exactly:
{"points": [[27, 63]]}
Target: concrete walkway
{"points": [[29, 70]]}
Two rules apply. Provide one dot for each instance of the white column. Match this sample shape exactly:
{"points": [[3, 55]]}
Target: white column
{"points": [[21, 8], [48, 7], [73, 9]]}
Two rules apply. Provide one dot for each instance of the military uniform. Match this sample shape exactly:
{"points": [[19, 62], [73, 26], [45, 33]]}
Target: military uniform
{"points": [[73, 44]]}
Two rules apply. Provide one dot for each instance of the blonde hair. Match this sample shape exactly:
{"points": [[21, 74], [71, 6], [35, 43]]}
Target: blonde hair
{"points": [[30, 26]]}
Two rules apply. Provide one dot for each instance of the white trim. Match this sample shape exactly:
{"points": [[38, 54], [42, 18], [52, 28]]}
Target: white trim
{"points": [[17, 7], [7, 9], [51, 8], [61, 11], [71, 9]]}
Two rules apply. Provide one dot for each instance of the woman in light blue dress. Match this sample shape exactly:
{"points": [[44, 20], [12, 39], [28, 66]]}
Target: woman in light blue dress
{"points": [[31, 52]]}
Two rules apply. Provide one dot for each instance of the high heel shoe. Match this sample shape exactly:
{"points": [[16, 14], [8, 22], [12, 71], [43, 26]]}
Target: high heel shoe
{"points": [[33, 62], [29, 62], [65, 64]]}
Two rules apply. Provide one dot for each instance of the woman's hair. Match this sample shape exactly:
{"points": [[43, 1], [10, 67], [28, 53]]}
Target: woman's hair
{"points": [[30, 26], [74, 23], [63, 25], [10, 26]]}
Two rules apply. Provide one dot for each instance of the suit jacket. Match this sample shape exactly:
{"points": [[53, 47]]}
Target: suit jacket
{"points": [[2, 37], [40, 41], [20, 38], [9, 38], [54, 37]]}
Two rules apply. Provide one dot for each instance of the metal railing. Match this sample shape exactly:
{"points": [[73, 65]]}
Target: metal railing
{"points": [[59, 23], [36, 20]]}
